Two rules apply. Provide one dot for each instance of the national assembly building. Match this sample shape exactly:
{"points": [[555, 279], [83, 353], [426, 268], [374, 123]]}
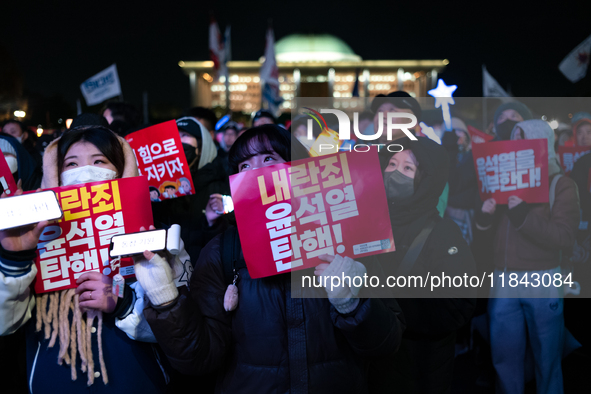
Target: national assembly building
{"points": [[310, 66]]}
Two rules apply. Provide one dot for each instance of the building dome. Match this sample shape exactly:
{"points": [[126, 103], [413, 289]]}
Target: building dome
{"points": [[322, 48]]}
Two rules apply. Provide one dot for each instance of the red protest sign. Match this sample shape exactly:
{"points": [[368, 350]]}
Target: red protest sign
{"points": [[79, 242], [479, 137], [568, 156], [7, 184], [289, 214], [512, 168], [160, 157]]}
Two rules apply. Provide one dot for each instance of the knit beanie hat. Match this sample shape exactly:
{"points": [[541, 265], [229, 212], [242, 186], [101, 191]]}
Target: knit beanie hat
{"points": [[261, 113], [577, 120], [399, 99], [580, 117], [208, 151], [191, 126], [521, 109], [6, 147]]}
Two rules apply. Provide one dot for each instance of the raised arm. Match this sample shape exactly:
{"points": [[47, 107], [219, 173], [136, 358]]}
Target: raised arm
{"points": [[194, 330]]}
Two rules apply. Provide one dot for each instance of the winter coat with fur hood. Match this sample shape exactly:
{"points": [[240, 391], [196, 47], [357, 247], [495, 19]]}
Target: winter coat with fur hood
{"points": [[131, 366]]}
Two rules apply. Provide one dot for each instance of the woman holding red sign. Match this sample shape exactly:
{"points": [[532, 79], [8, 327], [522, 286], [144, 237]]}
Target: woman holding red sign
{"points": [[528, 242], [57, 330], [258, 333]]}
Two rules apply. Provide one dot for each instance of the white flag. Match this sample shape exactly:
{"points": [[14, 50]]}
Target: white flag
{"points": [[490, 86], [270, 75], [226, 54], [574, 66], [227, 44], [101, 86]]}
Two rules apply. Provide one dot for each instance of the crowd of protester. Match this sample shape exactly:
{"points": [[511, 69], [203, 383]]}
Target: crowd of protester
{"points": [[238, 334]]}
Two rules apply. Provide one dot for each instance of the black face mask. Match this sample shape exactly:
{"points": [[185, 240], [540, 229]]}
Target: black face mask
{"points": [[190, 153], [504, 129], [399, 187]]}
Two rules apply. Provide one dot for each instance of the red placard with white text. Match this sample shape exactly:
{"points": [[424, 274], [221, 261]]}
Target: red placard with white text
{"points": [[160, 157], [7, 184], [79, 242], [291, 213], [479, 137], [568, 156], [512, 168]]}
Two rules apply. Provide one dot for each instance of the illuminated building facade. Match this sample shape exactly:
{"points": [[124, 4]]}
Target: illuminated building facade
{"points": [[310, 66]]}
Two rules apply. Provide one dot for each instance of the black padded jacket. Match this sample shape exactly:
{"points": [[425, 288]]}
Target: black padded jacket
{"points": [[272, 342]]}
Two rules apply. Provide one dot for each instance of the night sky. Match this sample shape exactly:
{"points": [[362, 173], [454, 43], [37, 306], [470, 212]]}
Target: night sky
{"points": [[56, 47]]}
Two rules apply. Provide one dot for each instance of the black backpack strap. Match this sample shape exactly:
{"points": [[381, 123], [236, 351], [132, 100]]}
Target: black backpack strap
{"points": [[230, 250], [415, 249]]}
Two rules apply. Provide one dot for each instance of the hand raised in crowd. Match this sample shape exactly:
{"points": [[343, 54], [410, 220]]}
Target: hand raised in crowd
{"points": [[513, 201], [96, 292], [337, 266], [343, 297], [21, 238], [489, 206], [156, 276], [214, 209]]}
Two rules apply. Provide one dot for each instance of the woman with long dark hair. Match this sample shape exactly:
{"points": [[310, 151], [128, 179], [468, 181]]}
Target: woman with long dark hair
{"points": [[72, 338], [260, 336]]}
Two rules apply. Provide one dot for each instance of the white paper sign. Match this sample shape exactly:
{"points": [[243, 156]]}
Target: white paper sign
{"points": [[101, 86]]}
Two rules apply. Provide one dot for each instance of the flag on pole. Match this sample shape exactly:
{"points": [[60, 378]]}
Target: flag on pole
{"points": [[225, 55], [270, 76], [101, 86], [227, 45], [224, 71], [490, 86], [574, 66], [216, 46]]}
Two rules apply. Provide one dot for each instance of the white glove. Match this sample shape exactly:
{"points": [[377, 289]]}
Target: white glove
{"points": [[182, 269], [574, 290], [344, 297], [156, 278]]}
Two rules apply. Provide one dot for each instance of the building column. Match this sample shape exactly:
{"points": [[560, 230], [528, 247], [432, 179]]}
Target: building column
{"points": [[433, 81], [366, 82], [422, 82], [227, 86], [400, 78], [193, 87], [297, 76], [203, 96], [366, 87]]}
